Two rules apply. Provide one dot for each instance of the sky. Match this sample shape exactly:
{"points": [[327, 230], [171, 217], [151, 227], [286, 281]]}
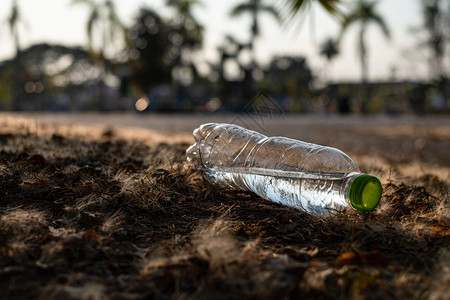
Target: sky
{"points": [[57, 21]]}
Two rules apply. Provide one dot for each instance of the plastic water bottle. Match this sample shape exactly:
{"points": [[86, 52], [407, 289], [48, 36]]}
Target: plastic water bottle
{"points": [[316, 179]]}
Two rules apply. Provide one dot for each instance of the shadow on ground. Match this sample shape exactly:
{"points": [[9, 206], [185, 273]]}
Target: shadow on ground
{"points": [[114, 218]]}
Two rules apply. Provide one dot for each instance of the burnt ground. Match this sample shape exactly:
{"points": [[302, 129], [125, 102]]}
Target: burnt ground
{"points": [[107, 216]]}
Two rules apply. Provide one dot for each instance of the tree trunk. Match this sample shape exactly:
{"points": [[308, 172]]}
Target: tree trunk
{"points": [[364, 72], [17, 82]]}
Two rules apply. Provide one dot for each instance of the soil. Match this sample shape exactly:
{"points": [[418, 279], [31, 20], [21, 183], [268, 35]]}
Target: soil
{"points": [[104, 211]]}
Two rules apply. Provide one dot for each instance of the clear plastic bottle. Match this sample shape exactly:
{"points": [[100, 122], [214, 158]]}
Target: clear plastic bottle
{"points": [[309, 177]]}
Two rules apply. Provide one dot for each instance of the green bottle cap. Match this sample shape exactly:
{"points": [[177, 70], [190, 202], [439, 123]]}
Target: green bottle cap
{"points": [[365, 192]]}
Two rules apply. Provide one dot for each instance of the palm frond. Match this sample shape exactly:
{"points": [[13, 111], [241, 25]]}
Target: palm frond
{"points": [[292, 8], [332, 6], [380, 22], [115, 25], [93, 18], [364, 12], [241, 9], [346, 22], [14, 18], [272, 11]]}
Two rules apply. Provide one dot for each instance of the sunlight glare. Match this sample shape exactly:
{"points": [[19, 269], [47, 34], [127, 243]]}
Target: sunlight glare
{"points": [[142, 104]]}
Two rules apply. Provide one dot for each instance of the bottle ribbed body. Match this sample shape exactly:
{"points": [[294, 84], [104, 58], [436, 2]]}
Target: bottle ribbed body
{"points": [[306, 176]]}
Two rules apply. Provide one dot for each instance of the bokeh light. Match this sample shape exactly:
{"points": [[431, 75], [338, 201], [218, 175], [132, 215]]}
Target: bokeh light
{"points": [[34, 87], [142, 104], [213, 105]]}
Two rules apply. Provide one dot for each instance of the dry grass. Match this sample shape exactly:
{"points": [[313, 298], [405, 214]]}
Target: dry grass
{"points": [[102, 214]]}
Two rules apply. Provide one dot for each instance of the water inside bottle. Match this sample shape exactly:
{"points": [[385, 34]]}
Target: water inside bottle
{"points": [[317, 193]]}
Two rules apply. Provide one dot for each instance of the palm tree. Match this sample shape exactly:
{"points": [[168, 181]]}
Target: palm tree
{"points": [[13, 23], [103, 21], [254, 8], [329, 50], [435, 26], [363, 14]]}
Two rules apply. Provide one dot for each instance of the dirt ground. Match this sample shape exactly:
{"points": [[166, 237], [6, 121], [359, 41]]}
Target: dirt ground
{"points": [[106, 207]]}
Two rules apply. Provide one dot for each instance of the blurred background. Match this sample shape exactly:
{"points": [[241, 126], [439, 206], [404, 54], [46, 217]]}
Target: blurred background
{"points": [[302, 56]]}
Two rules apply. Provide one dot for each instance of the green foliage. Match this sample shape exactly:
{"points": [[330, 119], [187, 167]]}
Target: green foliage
{"points": [[160, 48], [71, 65], [290, 77], [191, 30], [284, 68], [6, 84], [153, 52], [55, 68]]}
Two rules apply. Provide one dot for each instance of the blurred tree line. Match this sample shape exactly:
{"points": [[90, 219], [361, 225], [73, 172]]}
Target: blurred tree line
{"points": [[157, 58]]}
